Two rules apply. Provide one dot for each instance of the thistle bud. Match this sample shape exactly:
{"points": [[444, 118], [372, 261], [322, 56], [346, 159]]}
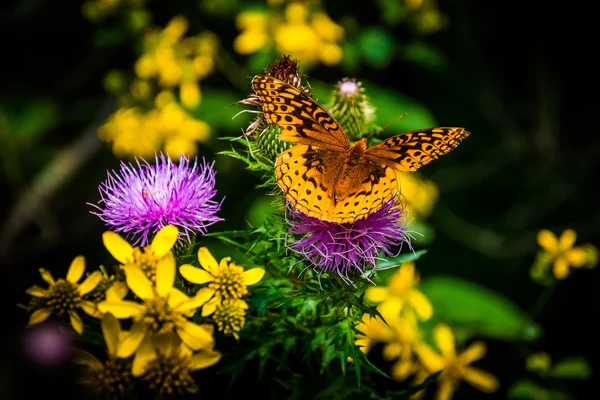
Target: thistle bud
{"points": [[351, 108]]}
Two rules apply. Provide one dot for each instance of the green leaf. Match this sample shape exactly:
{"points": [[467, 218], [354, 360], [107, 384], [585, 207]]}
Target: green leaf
{"points": [[477, 310], [376, 46], [392, 11], [218, 107], [526, 389], [424, 55], [571, 368], [402, 258], [260, 207]]}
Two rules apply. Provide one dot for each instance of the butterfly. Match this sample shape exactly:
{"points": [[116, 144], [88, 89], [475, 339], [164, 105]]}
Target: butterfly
{"points": [[327, 177]]}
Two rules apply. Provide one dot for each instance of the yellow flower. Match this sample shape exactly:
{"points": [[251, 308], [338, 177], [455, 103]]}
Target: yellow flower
{"points": [[538, 362], [400, 293], [310, 36], [400, 337], [169, 367], [65, 296], [455, 367], [112, 378], [147, 258], [560, 251], [225, 280], [421, 195], [163, 309], [230, 316]]}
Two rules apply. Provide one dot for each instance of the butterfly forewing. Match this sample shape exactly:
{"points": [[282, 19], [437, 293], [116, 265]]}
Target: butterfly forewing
{"points": [[302, 120], [409, 151]]}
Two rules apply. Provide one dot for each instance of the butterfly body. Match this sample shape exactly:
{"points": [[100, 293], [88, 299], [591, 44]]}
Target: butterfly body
{"points": [[327, 177]]}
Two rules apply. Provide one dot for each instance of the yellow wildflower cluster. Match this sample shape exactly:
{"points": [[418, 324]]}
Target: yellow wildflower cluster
{"points": [[227, 285], [559, 254], [300, 30], [163, 346], [425, 16], [169, 127], [402, 307], [420, 194], [160, 121]]}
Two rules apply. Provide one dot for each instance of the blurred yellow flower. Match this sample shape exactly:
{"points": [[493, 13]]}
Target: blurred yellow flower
{"points": [[168, 128], [455, 367], [111, 378], [170, 365], [311, 36], [421, 195], [226, 280], [64, 296], [560, 251], [401, 294], [400, 336], [538, 362]]}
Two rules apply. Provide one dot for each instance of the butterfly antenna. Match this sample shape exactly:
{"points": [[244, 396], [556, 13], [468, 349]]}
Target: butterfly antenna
{"points": [[386, 126]]}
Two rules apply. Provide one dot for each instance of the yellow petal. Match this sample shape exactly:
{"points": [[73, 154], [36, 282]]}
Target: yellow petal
{"points": [[122, 308], [118, 247], [204, 359], [90, 282], [481, 380], [164, 240], [444, 338], [547, 240], [194, 335], [90, 309], [165, 274], [210, 307], [207, 261], [195, 275], [176, 297], [111, 330], [576, 256], [253, 276], [76, 322], [430, 359], [208, 328], [81, 357], [76, 269], [144, 354], [47, 276], [403, 279], [402, 369], [561, 268], [473, 353], [37, 291], [38, 316], [376, 294], [567, 239], [137, 282], [201, 297], [420, 304], [131, 341], [445, 390], [117, 291], [391, 308], [166, 343]]}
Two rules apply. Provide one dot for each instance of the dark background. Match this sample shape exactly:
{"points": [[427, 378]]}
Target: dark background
{"points": [[522, 77]]}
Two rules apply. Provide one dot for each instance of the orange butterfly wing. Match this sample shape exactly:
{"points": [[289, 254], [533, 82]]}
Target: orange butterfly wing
{"points": [[302, 120], [409, 151], [321, 184]]}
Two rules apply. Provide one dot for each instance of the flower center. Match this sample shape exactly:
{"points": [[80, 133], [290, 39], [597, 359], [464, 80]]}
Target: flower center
{"points": [[230, 317], [64, 297], [159, 316], [229, 283], [113, 379], [453, 371], [147, 261], [170, 374]]}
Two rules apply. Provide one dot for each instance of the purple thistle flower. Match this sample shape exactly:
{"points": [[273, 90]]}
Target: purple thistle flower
{"points": [[140, 201], [348, 247]]}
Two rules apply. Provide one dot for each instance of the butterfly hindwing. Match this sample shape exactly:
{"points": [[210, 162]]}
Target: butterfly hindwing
{"points": [[409, 151], [320, 184], [302, 120]]}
